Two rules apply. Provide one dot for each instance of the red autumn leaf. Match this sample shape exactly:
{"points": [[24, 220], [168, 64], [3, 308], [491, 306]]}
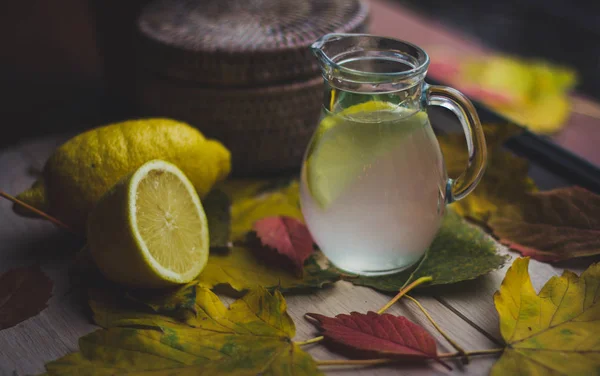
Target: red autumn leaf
{"points": [[24, 293], [552, 226], [288, 236], [385, 334]]}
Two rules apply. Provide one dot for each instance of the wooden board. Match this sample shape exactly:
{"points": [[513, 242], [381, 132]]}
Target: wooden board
{"points": [[465, 310]]}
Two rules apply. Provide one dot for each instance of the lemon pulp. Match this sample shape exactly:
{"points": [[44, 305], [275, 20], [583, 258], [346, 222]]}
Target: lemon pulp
{"points": [[169, 223]]}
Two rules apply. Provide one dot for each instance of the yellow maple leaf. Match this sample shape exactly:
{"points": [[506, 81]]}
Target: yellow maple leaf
{"points": [[530, 92], [554, 332], [241, 269], [252, 336], [535, 93], [252, 200]]}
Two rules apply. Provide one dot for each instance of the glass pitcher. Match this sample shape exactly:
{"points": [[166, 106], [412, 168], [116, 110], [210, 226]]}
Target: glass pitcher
{"points": [[374, 185]]}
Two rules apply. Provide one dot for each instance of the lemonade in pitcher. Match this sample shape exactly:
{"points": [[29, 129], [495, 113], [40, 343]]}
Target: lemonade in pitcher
{"points": [[374, 185]]}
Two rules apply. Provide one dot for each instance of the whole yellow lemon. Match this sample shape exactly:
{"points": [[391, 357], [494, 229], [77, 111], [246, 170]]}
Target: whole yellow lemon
{"points": [[85, 167]]}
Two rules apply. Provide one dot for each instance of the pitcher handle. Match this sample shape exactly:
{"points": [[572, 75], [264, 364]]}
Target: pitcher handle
{"points": [[462, 107]]}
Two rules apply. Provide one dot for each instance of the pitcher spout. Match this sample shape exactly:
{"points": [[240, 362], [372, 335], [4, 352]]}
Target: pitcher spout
{"points": [[362, 62], [320, 48]]}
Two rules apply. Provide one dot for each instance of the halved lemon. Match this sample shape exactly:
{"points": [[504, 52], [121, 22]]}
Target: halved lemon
{"points": [[150, 229]]}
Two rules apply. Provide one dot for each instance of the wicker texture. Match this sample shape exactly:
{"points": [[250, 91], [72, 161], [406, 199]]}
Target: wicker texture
{"points": [[267, 129], [241, 42], [241, 71]]}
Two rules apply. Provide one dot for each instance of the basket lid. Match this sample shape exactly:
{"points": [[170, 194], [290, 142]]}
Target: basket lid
{"points": [[241, 42]]}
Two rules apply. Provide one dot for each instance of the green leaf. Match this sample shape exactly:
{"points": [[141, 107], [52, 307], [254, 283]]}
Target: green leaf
{"points": [[459, 252], [252, 336], [242, 270], [217, 207]]}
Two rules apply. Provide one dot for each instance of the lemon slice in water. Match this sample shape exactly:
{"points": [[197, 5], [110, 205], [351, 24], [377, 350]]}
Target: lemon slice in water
{"points": [[346, 145], [150, 230]]}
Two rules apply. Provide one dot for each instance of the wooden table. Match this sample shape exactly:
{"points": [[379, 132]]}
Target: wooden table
{"points": [[465, 310]]}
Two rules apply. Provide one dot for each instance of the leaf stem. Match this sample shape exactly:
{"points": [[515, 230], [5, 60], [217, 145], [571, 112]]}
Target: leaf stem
{"points": [[403, 292], [38, 212], [411, 276], [359, 362], [309, 341], [370, 362], [471, 353], [312, 340], [439, 329]]}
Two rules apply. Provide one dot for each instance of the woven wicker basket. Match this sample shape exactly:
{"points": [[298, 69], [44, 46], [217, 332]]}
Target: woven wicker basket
{"points": [[266, 129], [241, 71], [241, 42]]}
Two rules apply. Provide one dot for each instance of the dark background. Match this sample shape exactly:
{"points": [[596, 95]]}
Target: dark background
{"points": [[562, 31], [52, 58]]}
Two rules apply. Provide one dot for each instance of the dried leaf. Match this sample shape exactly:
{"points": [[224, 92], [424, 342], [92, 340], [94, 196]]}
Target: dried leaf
{"points": [[552, 226], [217, 207], [254, 202], [554, 332], [24, 292], [495, 190], [288, 236], [252, 336], [385, 334], [459, 252], [242, 270]]}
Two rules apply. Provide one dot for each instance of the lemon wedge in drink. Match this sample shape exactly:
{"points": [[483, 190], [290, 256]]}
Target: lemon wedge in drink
{"points": [[346, 145], [150, 229]]}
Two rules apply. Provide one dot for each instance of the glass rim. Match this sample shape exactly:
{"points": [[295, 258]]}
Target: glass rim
{"points": [[422, 57]]}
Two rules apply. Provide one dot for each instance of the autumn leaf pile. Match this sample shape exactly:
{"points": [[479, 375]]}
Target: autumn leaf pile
{"points": [[192, 332], [260, 249], [548, 226]]}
